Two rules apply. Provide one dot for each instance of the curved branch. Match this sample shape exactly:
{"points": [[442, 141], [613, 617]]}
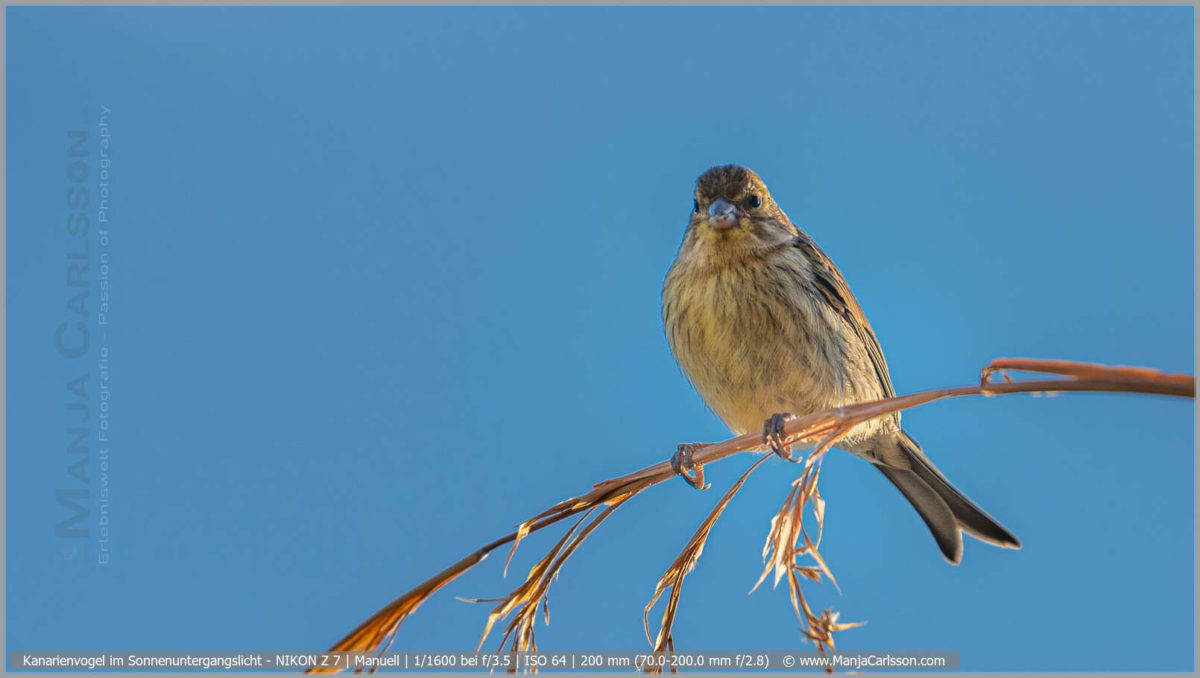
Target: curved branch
{"points": [[377, 632]]}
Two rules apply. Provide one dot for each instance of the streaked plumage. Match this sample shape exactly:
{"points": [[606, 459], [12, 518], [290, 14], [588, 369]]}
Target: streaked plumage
{"points": [[763, 323]]}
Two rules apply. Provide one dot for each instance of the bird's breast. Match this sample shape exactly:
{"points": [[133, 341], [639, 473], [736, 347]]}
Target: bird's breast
{"points": [[753, 338]]}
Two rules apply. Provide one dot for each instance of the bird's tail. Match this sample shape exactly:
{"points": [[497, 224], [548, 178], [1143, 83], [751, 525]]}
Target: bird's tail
{"points": [[944, 509]]}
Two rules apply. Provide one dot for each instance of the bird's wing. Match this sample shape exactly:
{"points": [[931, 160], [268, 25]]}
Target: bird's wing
{"points": [[832, 286]]}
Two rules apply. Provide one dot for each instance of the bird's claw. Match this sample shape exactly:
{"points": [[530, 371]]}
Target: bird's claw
{"points": [[773, 436], [681, 463]]}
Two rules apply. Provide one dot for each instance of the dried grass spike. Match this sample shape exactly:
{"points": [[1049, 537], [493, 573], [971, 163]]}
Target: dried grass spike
{"points": [[684, 563]]}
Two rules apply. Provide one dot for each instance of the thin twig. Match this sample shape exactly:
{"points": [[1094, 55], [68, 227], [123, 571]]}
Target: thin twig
{"points": [[673, 577], [825, 427]]}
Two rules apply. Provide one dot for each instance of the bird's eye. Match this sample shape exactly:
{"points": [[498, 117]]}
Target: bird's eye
{"points": [[695, 205], [754, 201]]}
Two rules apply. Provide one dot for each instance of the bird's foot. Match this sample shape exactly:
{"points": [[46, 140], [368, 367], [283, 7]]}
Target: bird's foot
{"points": [[773, 436], [681, 463]]}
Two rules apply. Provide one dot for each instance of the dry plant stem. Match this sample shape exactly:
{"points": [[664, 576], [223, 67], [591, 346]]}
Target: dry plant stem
{"points": [[782, 551], [673, 577], [526, 598], [379, 630], [826, 427]]}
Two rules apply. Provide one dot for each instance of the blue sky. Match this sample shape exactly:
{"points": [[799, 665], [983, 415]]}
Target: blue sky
{"points": [[385, 281]]}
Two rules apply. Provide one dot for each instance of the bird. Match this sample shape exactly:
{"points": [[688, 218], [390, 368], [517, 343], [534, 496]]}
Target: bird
{"points": [[764, 326]]}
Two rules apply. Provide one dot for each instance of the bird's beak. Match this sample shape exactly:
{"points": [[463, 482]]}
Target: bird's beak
{"points": [[722, 214]]}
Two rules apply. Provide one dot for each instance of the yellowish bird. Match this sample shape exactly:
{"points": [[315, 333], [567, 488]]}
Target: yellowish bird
{"points": [[765, 327]]}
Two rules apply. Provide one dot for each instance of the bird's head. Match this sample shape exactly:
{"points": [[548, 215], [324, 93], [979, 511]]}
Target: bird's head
{"points": [[732, 208]]}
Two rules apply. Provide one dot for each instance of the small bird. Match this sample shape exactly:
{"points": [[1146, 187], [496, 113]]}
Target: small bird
{"points": [[764, 326]]}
